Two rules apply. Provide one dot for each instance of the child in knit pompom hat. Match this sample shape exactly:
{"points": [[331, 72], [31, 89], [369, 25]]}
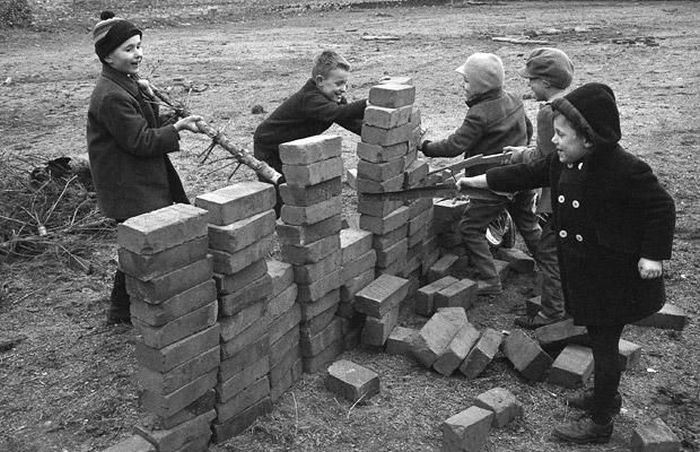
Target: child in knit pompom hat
{"points": [[128, 145], [614, 223], [495, 119]]}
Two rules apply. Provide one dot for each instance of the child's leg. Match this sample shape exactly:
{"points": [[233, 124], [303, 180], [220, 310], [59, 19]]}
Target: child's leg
{"points": [[522, 210], [607, 371], [475, 219], [552, 296]]}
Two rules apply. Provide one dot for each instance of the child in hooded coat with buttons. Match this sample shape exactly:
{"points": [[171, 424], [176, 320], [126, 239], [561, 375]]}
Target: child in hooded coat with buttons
{"points": [[128, 145], [615, 226]]}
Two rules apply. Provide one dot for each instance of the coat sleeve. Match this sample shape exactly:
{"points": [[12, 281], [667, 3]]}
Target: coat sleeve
{"points": [[462, 141], [349, 116], [131, 131], [522, 176]]}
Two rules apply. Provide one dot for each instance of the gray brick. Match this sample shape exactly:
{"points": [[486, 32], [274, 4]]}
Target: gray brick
{"points": [[457, 350], [237, 202], [437, 334], [466, 431], [238, 235], [352, 381], [313, 173], [391, 96], [502, 403], [572, 367], [309, 150], [232, 263], [387, 118], [304, 235], [308, 196], [145, 267], [375, 153], [526, 355], [481, 354]]}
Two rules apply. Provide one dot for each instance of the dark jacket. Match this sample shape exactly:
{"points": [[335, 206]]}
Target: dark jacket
{"points": [[127, 149], [495, 119], [306, 113], [630, 215]]}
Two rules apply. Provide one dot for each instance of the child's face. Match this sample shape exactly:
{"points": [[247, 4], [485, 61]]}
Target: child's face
{"points": [[127, 57], [571, 145], [466, 88], [539, 88], [335, 85]]}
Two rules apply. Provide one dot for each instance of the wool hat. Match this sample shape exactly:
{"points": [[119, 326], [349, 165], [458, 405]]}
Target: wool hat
{"points": [[549, 64], [483, 71], [111, 32], [591, 108]]}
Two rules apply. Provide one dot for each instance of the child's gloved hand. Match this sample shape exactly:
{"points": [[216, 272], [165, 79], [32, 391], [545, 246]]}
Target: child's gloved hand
{"points": [[649, 269]]}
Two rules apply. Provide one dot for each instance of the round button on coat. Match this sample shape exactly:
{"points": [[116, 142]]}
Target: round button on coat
{"points": [[563, 234]]}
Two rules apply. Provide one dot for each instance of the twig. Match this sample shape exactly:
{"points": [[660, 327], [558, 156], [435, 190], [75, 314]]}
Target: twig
{"points": [[296, 415], [354, 404], [63, 192]]}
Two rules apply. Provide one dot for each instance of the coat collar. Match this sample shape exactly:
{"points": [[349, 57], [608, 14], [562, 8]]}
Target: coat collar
{"points": [[482, 97], [121, 79]]}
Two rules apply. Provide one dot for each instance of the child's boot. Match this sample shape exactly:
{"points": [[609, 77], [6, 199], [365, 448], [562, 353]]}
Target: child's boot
{"points": [[585, 431], [584, 401]]}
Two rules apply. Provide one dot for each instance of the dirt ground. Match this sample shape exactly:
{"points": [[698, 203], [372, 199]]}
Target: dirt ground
{"points": [[66, 378]]}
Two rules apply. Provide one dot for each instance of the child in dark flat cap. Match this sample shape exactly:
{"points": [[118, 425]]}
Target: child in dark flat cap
{"points": [[127, 144], [614, 224]]}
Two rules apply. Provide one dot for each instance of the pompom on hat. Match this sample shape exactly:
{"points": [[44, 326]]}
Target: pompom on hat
{"points": [[483, 71], [591, 108], [111, 32]]}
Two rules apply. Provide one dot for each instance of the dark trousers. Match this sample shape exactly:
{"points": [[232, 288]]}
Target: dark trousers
{"points": [[607, 370], [119, 299], [548, 261]]}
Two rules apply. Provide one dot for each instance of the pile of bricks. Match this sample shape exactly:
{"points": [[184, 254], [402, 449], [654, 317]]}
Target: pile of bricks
{"points": [[311, 220], [241, 230], [174, 309], [447, 213]]}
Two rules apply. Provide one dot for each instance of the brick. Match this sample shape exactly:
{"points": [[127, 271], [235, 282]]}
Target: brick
{"points": [[352, 381], [310, 150], [630, 354], [304, 235], [234, 385], [199, 444], [654, 436], [145, 267], [502, 268], [385, 137], [375, 153], [256, 292], [415, 173], [376, 331], [224, 430], [561, 333], [419, 221], [282, 303], [161, 229], [457, 350], [481, 354], [388, 185], [202, 405], [502, 403], [161, 288], [237, 202], [134, 443], [349, 288], [288, 378], [234, 324], [380, 171], [317, 307], [165, 359], [462, 293], [354, 243], [308, 196], [167, 382], [400, 341], [300, 216], [384, 241], [442, 267], [231, 346], [518, 260], [175, 307], [253, 394], [386, 224], [240, 234], [311, 253], [670, 317], [415, 114], [314, 291], [246, 357], [526, 355], [313, 173], [351, 177], [286, 342], [391, 96], [319, 322], [396, 80], [466, 431], [428, 260], [291, 356], [358, 266], [394, 269], [190, 323], [533, 306], [282, 324], [282, 275], [449, 210], [395, 253], [310, 273], [227, 284], [418, 238], [387, 118], [381, 295], [232, 263], [319, 362], [435, 336], [572, 367], [176, 437], [165, 405], [313, 345]]}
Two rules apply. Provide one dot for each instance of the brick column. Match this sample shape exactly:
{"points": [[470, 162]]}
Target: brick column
{"points": [[173, 307]]}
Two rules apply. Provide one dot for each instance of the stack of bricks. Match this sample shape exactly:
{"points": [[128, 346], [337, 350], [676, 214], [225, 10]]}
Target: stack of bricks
{"points": [[388, 162], [447, 213], [311, 219], [174, 309], [241, 230]]}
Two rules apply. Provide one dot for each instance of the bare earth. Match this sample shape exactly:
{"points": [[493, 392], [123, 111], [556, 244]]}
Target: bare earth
{"points": [[67, 386]]}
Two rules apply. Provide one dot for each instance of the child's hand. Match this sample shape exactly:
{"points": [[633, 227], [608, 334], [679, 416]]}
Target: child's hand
{"points": [[188, 123], [516, 157], [473, 182], [146, 87], [649, 269]]}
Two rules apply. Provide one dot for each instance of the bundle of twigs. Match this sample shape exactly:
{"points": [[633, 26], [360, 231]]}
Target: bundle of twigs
{"points": [[43, 212]]}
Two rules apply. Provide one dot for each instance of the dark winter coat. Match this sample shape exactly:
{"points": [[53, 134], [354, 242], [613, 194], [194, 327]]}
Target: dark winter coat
{"points": [[306, 113], [626, 215], [128, 149], [494, 120]]}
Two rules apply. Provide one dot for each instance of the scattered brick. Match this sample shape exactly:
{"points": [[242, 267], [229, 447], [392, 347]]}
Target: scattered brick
{"points": [[560, 334], [237, 202], [376, 331], [461, 293], [304, 235], [630, 354], [400, 341], [526, 355], [572, 367], [148, 266], [242, 233], [310, 150], [435, 336], [670, 317], [307, 196], [352, 381], [503, 403], [134, 443], [466, 431], [654, 436], [381, 295], [442, 267], [300, 216], [391, 96], [457, 350]]}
